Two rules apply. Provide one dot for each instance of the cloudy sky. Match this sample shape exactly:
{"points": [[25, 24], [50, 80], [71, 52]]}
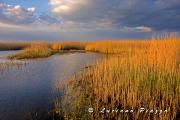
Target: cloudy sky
{"points": [[87, 19]]}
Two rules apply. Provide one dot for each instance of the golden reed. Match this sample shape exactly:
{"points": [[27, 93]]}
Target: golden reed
{"points": [[141, 74]]}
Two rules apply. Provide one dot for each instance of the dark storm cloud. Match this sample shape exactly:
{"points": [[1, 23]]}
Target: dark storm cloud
{"points": [[90, 18], [92, 14], [49, 19], [165, 18], [159, 15], [156, 14]]}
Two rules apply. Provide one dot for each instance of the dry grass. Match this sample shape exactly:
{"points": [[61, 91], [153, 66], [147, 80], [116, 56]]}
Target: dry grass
{"points": [[142, 73], [40, 50], [147, 75], [45, 49], [56, 46]]}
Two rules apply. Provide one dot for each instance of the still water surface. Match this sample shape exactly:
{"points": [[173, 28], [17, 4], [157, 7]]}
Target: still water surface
{"points": [[27, 90]]}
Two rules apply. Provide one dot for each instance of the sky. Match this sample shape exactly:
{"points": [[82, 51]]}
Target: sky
{"points": [[87, 19]]}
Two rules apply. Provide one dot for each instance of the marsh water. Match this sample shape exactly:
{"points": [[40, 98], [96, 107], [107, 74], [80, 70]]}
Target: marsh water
{"points": [[27, 91]]}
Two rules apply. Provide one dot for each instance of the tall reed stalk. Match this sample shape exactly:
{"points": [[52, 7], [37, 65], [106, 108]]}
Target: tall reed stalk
{"points": [[147, 75]]}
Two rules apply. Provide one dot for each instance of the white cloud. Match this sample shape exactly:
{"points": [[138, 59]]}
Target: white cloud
{"points": [[66, 6], [95, 15], [137, 29], [13, 10], [15, 14], [17, 7], [55, 2], [143, 29], [18, 18], [31, 9], [62, 8]]}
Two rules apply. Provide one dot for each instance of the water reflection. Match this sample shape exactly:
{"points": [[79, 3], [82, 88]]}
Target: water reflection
{"points": [[7, 66], [28, 92]]}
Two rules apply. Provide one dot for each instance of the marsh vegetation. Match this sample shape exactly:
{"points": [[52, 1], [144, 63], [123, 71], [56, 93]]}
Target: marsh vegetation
{"points": [[34, 51], [146, 75], [45, 49], [132, 74]]}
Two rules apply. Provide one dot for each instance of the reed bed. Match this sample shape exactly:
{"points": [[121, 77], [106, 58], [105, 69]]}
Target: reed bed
{"points": [[115, 47], [146, 76], [38, 50], [56, 46], [46, 49]]}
